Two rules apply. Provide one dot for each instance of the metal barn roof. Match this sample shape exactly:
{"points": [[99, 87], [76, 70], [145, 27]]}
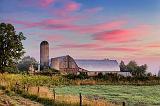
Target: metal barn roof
{"points": [[98, 65]]}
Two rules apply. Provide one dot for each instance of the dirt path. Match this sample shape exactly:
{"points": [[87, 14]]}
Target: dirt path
{"points": [[13, 100]]}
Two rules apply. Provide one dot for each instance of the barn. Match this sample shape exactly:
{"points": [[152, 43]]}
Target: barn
{"points": [[66, 64]]}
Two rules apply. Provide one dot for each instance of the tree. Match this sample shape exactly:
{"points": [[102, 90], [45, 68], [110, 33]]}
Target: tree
{"points": [[122, 67], [132, 67], [25, 63], [11, 47], [135, 69], [142, 69]]}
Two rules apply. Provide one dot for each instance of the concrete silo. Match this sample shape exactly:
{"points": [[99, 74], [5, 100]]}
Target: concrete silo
{"points": [[44, 54]]}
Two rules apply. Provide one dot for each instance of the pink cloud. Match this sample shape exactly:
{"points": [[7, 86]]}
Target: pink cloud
{"points": [[101, 26], [122, 35], [72, 6], [67, 8], [38, 3], [85, 46], [97, 47], [45, 3], [54, 37], [119, 49], [68, 24], [153, 45]]}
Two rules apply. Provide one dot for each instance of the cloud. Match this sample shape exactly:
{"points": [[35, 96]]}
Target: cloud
{"points": [[98, 47], [122, 49], [95, 28], [78, 46], [122, 35], [153, 45], [45, 3], [68, 24], [53, 37], [68, 7], [38, 3]]}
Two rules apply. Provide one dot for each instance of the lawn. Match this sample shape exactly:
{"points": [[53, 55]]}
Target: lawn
{"points": [[132, 95]]}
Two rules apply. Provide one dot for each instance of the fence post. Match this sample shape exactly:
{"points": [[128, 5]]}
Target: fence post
{"points": [[54, 96], [27, 87], [123, 103], [80, 97], [38, 90], [24, 87]]}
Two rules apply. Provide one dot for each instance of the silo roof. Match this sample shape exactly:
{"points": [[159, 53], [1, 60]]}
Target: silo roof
{"points": [[44, 43]]}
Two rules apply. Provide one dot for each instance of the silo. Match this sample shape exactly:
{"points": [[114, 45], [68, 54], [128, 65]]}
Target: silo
{"points": [[44, 54]]}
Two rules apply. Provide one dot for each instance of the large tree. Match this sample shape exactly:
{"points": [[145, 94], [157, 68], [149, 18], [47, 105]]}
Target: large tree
{"points": [[11, 47]]}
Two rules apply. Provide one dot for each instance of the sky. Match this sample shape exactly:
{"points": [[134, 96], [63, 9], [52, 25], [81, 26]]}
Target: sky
{"points": [[89, 29]]}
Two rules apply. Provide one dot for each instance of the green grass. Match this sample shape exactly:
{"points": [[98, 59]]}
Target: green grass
{"points": [[148, 95]]}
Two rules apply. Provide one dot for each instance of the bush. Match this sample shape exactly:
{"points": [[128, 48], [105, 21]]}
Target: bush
{"points": [[48, 72], [71, 76], [82, 75], [100, 76]]}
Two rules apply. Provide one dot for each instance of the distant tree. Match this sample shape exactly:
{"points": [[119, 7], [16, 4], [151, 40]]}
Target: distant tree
{"points": [[24, 64], [122, 67], [135, 69], [142, 70], [159, 73], [11, 47], [132, 67], [149, 74], [100, 75]]}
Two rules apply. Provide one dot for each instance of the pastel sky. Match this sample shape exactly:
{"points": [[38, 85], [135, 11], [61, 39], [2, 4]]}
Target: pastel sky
{"points": [[89, 29]]}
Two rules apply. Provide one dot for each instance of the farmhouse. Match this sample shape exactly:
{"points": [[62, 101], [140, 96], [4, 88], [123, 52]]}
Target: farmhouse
{"points": [[67, 64]]}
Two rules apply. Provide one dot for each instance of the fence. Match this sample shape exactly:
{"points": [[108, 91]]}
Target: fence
{"points": [[44, 94], [78, 100]]}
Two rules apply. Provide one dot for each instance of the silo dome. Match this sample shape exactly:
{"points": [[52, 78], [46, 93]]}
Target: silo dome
{"points": [[44, 54]]}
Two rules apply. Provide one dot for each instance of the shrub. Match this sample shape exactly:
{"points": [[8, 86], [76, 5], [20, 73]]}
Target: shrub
{"points": [[82, 75], [71, 76]]}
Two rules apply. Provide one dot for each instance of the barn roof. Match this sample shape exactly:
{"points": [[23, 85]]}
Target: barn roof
{"points": [[98, 65]]}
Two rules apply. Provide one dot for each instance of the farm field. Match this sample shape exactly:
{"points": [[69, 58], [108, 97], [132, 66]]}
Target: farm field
{"points": [[132, 95]]}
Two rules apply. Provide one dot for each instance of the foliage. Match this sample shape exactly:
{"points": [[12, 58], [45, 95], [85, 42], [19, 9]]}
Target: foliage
{"points": [[135, 69], [82, 75], [71, 76], [25, 63], [11, 47], [132, 67], [123, 67], [48, 72], [100, 76], [12, 69]]}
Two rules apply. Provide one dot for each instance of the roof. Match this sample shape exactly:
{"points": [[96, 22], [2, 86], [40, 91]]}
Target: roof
{"points": [[61, 57], [98, 65], [44, 43]]}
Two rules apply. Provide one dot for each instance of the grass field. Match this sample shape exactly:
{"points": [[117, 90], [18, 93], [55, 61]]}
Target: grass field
{"points": [[132, 95]]}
